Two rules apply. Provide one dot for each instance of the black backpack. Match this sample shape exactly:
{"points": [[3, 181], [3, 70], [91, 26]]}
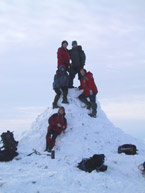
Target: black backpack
{"points": [[128, 149], [9, 145], [9, 142], [96, 162]]}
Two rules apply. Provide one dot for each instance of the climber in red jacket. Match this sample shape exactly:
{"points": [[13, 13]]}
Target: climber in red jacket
{"points": [[57, 124], [89, 91], [63, 57]]}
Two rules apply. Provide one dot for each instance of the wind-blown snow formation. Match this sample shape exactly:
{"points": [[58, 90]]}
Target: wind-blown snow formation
{"points": [[84, 137]]}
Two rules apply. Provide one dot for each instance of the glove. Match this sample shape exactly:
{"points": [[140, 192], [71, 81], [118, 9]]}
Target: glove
{"points": [[69, 66], [91, 92], [58, 125]]}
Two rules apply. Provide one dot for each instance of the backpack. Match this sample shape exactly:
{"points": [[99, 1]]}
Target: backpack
{"points": [[9, 142], [128, 149], [5, 155], [96, 162]]}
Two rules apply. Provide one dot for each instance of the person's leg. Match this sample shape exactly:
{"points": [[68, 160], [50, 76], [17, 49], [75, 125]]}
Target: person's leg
{"points": [[83, 98], [72, 76], [79, 74], [65, 92], [58, 93], [93, 105], [48, 139], [54, 136]]}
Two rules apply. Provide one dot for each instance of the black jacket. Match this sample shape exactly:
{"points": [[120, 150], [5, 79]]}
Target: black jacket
{"points": [[61, 79], [77, 57]]}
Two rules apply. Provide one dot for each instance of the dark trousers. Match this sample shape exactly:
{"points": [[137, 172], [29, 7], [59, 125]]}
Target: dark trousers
{"points": [[50, 138], [58, 91], [73, 72], [90, 105], [63, 90], [91, 97]]}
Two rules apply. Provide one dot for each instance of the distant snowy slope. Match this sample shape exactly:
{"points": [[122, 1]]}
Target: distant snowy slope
{"points": [[84, 137]]}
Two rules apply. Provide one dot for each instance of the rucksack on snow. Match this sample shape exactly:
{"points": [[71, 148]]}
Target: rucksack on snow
{"points": [[9, 146], [128, 149], [96, 162]]}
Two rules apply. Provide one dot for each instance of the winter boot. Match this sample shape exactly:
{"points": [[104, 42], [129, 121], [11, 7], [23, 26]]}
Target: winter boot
{"points": [[48, 149], [54, 104], [87, 103], [94, 110], [65, 101], [48, 146]]}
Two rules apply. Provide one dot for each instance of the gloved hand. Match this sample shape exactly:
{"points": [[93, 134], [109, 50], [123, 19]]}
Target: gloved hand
{"points": [[91, 92], [68, 66], [58, 125]]}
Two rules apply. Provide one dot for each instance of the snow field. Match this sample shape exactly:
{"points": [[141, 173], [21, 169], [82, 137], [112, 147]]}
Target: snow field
{"points": [[84, 137]]}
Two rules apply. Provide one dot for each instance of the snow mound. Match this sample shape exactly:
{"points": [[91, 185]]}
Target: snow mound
{"points": [[84, 137]]}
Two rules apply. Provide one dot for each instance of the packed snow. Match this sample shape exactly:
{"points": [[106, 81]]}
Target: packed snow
{"points": [[84, 137]]}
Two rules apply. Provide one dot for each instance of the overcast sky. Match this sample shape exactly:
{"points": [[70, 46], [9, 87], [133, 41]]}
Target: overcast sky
{"points": [[112, 34]]}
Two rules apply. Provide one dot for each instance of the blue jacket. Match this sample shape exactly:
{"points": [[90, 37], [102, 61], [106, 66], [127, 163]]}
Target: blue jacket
{"points": [[61, 79]]}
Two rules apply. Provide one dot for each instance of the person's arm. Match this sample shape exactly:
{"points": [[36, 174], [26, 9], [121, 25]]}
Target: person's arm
{"points": [[64, 125], [52, 120], [83, 58], [91, 85], [60, 57]]}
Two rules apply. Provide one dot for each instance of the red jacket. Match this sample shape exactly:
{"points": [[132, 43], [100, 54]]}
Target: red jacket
{"points": [[88, 84], [56, 119], [62, 57]]}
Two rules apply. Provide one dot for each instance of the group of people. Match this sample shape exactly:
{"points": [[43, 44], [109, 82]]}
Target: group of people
{"points": [[69, 63], [66, 71]]}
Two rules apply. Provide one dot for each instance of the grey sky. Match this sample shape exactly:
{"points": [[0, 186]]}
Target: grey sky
{"points": [[112, 35]]}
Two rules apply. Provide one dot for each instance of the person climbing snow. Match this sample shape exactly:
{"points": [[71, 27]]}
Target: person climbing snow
{"points": [[60, 85], [57, 125], [63, 57], [89, 91], [78, 59]]}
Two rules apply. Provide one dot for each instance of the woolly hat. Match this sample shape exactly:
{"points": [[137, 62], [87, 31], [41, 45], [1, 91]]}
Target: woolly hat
{"points": [[74, 42], [61, 66], [64, 42]]}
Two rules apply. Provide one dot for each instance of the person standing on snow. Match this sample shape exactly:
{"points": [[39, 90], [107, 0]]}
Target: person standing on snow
{"points": [[89, 91], [63, 57], [78, 59], [60, 85], [57, 124]]}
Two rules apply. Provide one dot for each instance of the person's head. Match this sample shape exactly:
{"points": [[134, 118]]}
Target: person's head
{"points": [[61, 111], [64, 44], [62, 68], [83, 72], [74, 43]]}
